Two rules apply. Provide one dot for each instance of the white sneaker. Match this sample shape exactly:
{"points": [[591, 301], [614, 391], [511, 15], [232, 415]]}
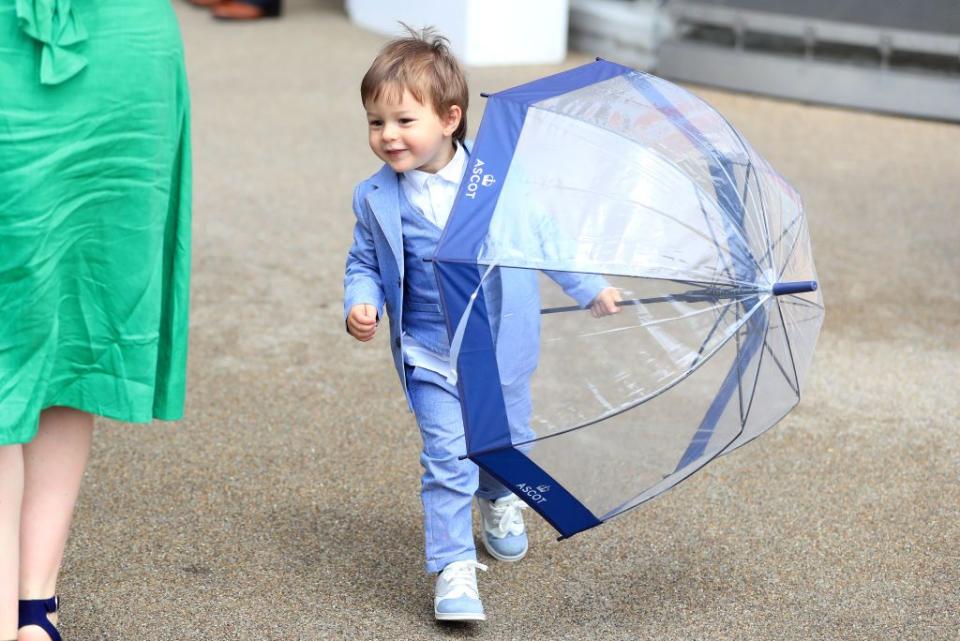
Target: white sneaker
{"points": [[504, 535], [457, 597]]}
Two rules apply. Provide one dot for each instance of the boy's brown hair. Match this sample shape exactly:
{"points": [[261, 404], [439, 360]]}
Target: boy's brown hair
{"points": [[423, 64]]}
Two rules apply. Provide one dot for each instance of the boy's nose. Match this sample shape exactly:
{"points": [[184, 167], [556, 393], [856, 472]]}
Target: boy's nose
{"points": [[389, 132]]}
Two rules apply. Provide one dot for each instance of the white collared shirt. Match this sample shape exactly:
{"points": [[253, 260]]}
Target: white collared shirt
{"points": [[432, 195]]}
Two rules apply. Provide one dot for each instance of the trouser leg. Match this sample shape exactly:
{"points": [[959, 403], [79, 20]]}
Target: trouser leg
{"points": [[448, 483]]}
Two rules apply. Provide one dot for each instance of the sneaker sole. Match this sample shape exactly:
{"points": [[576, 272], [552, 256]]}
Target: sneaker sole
{"points": [[459, 616], [501, 557]]}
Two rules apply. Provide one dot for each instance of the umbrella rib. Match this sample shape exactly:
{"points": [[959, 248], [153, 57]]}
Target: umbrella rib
{"points": [[793, 386], [793, 361], [795, 321], [690, 131], [747, 150], [652, 209], [713, 329], [680, 478], [739, 230], [740, 366], [794, 404], [716, 243], [794, 299], [688, 473], [779, 240], [756, 380], [714, 157], [654, 323], [763, 207], [772, 423], [626, 408], [793, 248], [750, 166], [706, 427]]}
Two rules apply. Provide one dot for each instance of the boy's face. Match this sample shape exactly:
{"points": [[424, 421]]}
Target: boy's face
{"points": [[407, 134]]}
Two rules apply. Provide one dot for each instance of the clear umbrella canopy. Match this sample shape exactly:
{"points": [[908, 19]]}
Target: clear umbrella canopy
{"points": [[600, 177]]}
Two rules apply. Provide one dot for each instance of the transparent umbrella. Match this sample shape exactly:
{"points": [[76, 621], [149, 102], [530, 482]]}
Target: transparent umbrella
{"points": [[598, 177]]}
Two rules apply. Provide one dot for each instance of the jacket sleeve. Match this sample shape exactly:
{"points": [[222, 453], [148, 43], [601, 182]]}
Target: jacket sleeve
{"points": [[553, 244], [361, 281], [582, 288]]}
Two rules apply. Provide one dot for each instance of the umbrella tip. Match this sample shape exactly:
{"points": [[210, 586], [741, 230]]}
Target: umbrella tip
{"points": [[795, 287]]}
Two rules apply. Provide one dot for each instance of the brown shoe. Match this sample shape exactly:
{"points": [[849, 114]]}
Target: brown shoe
{"points": [[239, 10]]}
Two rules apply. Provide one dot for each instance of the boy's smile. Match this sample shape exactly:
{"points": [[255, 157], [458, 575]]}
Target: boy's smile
{"points": [[407, 134]]}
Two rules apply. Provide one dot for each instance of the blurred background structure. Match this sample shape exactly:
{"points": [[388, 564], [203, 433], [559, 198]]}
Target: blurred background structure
{"points": [[481, 32], [897, 57]]}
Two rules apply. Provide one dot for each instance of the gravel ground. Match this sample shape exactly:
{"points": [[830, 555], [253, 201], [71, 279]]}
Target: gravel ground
{"points": [[285, 506]]}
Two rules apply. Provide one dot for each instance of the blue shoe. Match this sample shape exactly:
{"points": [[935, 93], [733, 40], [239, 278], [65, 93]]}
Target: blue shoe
{"points": [[457, 597], [504, 535], [35, 611]]}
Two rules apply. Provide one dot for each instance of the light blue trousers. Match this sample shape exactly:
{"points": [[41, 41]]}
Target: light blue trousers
{"points": [[449, 484]]}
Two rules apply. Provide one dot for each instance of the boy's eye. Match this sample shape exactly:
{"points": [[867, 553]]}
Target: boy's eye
{"points": [[375, 123], [407, 121]]}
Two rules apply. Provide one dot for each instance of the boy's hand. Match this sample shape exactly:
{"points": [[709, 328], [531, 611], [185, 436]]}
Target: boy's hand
{"points": [[606, 302], [362, 322]]}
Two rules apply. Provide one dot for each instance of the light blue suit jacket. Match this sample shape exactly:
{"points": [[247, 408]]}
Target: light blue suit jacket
{"points": [[374, 276]]}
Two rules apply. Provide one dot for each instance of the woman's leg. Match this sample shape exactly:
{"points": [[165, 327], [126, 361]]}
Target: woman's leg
{"points": [[11, 494], [53, 464]]}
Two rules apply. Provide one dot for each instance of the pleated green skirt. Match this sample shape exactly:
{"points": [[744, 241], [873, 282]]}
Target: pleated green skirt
{"points": [[94, 211]]}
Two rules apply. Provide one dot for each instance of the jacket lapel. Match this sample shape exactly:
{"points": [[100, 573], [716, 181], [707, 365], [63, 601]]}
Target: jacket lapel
{"points": [[384, 202]]}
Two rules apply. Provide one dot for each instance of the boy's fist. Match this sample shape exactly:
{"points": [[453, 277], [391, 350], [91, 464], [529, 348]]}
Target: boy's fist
{"points": [[362, 322], [606, 302]]}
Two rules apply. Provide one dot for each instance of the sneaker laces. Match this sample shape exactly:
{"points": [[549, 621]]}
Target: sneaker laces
{"points": [[506, 516], [461, 579]]}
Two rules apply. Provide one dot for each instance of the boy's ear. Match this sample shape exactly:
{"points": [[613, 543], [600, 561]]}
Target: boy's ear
{"points": [[452, 120]]}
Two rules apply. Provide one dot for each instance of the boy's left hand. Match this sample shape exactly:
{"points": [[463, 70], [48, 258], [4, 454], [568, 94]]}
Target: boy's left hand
{"points": [[606, 302]]}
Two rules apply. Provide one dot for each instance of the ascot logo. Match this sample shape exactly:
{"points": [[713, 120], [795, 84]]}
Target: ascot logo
{"points": [[535, 495], [478, 178]]}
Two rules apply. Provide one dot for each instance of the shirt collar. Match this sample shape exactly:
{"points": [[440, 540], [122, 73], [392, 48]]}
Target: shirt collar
{"points": [[451, 172]]}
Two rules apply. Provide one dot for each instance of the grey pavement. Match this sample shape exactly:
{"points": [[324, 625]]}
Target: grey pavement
{"points": [[286, 506]]}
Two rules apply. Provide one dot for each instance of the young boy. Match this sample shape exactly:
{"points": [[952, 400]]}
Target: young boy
{"points": [[415, 96]]}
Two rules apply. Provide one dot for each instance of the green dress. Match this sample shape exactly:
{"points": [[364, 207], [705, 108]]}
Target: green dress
{"points": [[94, 211]]}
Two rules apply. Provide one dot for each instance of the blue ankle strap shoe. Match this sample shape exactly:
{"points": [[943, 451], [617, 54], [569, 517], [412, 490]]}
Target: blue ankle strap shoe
{"points": [[35, 611]]}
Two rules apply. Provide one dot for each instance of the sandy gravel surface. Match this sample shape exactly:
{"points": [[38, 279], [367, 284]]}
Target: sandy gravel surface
{"points": [[286, 505]]}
